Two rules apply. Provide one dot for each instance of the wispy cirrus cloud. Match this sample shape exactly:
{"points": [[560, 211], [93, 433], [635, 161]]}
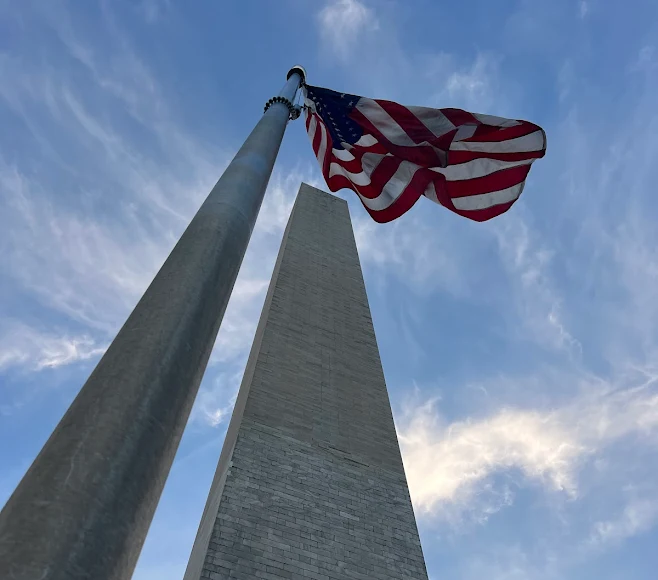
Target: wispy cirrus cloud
{"points": [[414, 251], [343, 24], [555, 442], [120, 206], [88, 269], [526, 257], [639, 515], [138, 177], [26, 347], [215, 402], [154, 10], [474, 85]]}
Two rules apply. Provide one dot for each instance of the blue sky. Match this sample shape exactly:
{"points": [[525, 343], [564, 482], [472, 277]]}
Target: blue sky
{"points": [[521, 354]]}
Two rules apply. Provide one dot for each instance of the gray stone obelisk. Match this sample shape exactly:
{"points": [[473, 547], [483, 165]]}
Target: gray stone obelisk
{"points": [[310, 482]]}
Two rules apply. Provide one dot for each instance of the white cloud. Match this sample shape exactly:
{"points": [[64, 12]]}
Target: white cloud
{"points": [[566, 80], [450, 464], [430, 254], [74, 262], [280, 197], [583, 8], [422, 256], [23, 346], [527, 261], [91, 254], [506, 562], [474, 88], [647, 59], [638, 516], [215, 402], [154, 10], [611, 260], [240, 322], [342, 23], [65, 350]]}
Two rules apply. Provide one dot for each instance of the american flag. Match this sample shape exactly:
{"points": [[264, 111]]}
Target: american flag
{"points": [[390, 155]]}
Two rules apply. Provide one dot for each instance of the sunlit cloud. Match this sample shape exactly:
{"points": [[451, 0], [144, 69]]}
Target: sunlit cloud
{"points": [[451, 464]]}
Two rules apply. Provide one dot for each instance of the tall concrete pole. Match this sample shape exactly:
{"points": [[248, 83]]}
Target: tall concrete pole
{"points": [[83, 508]]}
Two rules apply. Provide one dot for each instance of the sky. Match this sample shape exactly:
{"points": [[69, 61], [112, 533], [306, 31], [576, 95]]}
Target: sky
{"points": [[521, 354]]}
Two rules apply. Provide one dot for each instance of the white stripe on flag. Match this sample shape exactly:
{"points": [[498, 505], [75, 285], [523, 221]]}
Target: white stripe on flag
{"points": [[310, 104], [361, 178], [384, 123], [343, 154], [323, 145], [495, 121], [532, 142], [433, 119], [369, 163], [465, 132], [366, 140], [486, 200], [313, 124], [430, 193], [401, 178], [477, 168], [379, 203], [393, 188]]}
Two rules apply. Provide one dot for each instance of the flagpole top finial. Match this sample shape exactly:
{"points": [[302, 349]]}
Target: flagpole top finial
{"points": [[299, 69]]}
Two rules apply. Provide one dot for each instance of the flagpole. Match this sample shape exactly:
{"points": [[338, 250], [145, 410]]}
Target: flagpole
{"points": [[84, 506]]}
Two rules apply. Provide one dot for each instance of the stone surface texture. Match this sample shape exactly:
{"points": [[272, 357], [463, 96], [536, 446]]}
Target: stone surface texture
{"points": [[315, 486]]}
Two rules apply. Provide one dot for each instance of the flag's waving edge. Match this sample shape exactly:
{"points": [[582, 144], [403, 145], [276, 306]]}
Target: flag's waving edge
{"points": [[391, 155]]}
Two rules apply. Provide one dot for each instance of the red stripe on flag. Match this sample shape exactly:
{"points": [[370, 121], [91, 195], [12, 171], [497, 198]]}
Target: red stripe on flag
{"points": [[337, 182], [356, 165], [457, 157], [371, 191], [353, 166], [376, 148], [482, 130], [488, 183], [423, 155], [382, 174], [411, 125], [328, 150], [482, 215], [458, 117], [407, 198], [502, 133], [317, 137]]}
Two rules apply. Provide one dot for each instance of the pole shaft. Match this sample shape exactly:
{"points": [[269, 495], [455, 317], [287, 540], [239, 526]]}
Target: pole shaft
{"points": [[83, 508]]}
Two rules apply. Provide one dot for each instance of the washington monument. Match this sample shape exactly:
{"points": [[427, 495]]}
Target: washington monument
{"points": [[310, 482]]}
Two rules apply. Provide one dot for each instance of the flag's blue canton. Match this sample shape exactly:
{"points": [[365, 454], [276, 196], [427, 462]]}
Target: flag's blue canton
{"points": [[334, 108]]}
